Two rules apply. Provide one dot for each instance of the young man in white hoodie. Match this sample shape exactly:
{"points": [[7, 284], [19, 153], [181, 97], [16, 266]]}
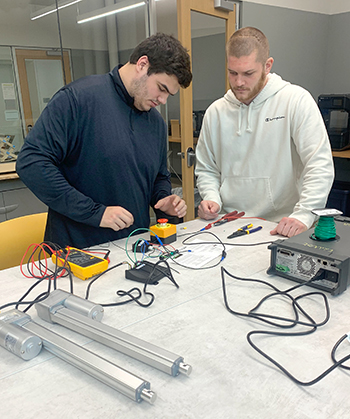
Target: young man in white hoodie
{"points": [[263, 147]]}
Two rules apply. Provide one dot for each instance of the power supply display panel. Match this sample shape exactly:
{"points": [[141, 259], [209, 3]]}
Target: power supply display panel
{"points": [[302, 258]]}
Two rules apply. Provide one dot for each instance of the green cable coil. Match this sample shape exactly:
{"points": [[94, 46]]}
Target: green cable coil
{"points": [[325, 229]]}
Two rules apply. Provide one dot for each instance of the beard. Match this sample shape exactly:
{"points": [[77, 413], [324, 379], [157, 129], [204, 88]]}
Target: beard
{"points": [[139, 92], [247, 95]]}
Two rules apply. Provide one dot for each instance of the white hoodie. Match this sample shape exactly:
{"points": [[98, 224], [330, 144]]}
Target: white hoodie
{"points": [[271, 159]]}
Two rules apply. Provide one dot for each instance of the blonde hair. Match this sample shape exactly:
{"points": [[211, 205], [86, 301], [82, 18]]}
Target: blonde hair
{"points": [[247, 40]]}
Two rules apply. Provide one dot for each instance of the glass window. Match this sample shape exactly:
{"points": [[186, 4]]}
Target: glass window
{"points": [[42, 50], [11, 134]]}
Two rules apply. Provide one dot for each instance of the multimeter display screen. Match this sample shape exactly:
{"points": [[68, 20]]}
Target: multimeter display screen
{"points": [[82, 259]]}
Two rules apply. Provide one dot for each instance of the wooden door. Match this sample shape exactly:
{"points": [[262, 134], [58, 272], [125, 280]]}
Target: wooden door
{"points": [[26, 54], [184, 8]]}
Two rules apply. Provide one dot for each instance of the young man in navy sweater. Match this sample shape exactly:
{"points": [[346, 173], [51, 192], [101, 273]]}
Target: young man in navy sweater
{"points": [[97, 154]]}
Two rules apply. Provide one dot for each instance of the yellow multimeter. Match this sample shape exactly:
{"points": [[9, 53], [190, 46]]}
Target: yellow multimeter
{"points": [[83, 264]]}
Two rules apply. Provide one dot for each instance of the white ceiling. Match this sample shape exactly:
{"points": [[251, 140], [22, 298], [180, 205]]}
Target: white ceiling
{"points": [[328, 7], [318, 6]]}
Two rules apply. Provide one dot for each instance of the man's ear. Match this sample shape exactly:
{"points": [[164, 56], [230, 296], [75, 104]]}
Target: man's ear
{"points": [[268, 65], [142, 63]]}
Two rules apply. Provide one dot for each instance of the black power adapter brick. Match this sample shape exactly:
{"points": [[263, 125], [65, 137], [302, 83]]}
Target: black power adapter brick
{"points": [[143, 270]]}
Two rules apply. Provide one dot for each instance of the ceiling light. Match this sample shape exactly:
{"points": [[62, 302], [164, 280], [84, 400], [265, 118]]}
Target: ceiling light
{"points": [[48, 10], [109, 10]]}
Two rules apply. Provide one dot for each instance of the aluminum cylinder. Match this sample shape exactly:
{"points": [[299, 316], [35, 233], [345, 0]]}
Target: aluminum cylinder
{"points": [[19, 341]]}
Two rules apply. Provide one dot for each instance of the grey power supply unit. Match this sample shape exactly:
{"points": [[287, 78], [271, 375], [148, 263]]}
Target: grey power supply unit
{"points": [[301, 258]]}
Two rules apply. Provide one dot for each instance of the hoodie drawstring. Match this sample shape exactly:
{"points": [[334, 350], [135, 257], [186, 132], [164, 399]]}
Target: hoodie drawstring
{"points": [[239, 131], [248, 129]]}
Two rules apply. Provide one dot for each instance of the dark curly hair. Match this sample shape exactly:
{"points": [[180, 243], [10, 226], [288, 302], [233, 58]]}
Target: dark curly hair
{"points": [[165, 55]]}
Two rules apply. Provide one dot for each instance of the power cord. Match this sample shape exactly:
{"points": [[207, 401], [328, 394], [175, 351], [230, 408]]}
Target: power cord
{"points": [[286, 322], [219, 241], [336, 346], [139, 293]]}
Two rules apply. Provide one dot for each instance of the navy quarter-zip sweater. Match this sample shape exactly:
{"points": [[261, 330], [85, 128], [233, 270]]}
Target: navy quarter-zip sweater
{"points": [[91, 148]]}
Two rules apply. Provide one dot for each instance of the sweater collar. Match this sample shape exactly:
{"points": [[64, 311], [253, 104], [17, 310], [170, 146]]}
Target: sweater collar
{"points": [[119, 86]]}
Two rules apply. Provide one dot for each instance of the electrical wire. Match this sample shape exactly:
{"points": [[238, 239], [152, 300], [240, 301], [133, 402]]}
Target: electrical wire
{"points": [[39, 269], [286, 322], [335, 347], [134, 232], [99, 276], [325, 229], [117, 245], [223, 253], [284, 370], [122, 293], [139, 293], [60, 39]]}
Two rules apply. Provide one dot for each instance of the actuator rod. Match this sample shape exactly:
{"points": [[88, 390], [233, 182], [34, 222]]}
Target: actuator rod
{"points": [[139, 349], [54, 309], [119, 379]]}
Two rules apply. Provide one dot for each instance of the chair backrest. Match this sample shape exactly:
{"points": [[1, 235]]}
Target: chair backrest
{"points": [[17, 234]]}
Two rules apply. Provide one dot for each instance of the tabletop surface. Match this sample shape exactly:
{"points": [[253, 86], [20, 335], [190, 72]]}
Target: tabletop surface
{"points": [[229, 378]]}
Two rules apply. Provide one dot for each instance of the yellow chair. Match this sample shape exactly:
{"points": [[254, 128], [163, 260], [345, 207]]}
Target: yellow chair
{"points": [[17, 234]]}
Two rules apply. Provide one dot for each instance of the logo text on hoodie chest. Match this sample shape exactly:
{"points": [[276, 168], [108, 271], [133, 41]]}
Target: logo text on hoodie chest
{"points": [[275, 118]]}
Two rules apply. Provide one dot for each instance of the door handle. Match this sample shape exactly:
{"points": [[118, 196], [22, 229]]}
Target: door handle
{"points": [[8, 208], [191, 157]]}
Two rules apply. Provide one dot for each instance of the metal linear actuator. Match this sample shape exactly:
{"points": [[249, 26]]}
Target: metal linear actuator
{"points": [[25, 338], [84, 317]]}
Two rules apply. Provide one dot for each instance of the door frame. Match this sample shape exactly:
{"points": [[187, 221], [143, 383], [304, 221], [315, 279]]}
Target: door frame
{"points": [[184, 8], [23, 54]]}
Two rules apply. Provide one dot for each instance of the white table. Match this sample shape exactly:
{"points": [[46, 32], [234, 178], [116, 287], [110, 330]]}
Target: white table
{"points": [[229, 379]]}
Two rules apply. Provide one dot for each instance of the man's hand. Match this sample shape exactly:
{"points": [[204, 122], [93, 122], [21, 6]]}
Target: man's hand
{"points": [[172, 205], [208, 210], [116, 218], [289, 227]]}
